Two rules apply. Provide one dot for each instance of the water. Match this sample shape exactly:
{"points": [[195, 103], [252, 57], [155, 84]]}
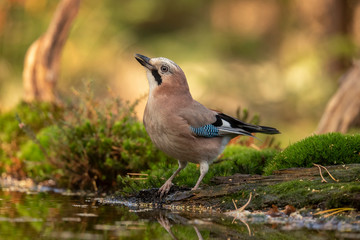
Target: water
{"points": [[49, 215]]}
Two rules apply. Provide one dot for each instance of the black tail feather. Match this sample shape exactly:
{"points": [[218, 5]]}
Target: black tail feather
{"points": [[236, 123], [268, 130]]}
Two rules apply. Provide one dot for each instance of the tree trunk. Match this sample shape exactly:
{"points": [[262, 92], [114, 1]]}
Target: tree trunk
{"points": [[343, 109], [42, 60]]}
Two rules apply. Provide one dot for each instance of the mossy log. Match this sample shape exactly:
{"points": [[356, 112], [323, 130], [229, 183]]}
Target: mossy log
{"points": [[42, 60], [300, 187], [342, 171]]}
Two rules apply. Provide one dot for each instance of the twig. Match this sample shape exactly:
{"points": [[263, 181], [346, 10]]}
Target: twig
{"points": [[234, 204], [94, 185], [137, 176], [243, 207], [246, 204], [336, 180], [247, 226], [334, 211], [323, 180]]}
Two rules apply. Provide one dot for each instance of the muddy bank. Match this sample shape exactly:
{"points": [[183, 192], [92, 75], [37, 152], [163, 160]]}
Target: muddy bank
{"points": [[299, 187], [290, 200]]}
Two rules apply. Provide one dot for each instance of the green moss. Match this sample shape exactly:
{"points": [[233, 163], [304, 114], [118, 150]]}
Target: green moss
{"points": [[235, 159], [36, 155], [247, 160], [36, 115], [98, 143], [13, 138], [325, 149], [300, 193], [83, 145]]}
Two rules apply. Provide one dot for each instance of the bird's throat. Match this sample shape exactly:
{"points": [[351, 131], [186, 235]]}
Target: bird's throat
{"points": [[156, 76]]}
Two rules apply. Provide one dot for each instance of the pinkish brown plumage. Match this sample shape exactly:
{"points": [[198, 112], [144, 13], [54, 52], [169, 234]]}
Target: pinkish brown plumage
{"points": [[180, 126]]}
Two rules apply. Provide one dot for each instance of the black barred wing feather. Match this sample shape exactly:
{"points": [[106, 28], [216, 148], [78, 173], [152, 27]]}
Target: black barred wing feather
{"points": [[226, 125], [237, 124]]}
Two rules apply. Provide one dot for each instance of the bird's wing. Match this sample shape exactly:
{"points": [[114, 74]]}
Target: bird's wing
{"points": [[207, 123], [247, 127], [218, 128]]}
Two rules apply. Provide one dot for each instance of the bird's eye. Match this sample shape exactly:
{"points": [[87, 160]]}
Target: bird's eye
{"points": [[164, 68]]}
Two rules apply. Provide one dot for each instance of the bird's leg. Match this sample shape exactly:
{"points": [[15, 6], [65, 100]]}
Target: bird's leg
{"points": [[167, 185], [204, 168], [164, 222]]}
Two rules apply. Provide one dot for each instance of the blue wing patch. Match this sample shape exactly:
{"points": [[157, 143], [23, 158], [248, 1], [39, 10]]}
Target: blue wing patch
{"points": [[206, 131]]}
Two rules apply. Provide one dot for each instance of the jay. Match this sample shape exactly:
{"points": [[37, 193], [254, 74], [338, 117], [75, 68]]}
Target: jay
{"points": [[182, 127]]}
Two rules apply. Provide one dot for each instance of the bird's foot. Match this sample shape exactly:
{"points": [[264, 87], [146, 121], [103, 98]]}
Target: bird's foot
{"points": [[164, 222], [165, 188], [196, 187]]}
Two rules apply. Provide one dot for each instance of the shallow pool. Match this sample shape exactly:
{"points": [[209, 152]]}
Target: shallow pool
{"points": [[48, 215]]}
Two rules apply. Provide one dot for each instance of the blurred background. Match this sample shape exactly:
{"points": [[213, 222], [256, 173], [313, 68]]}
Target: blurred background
{"points": [[280, 59]]}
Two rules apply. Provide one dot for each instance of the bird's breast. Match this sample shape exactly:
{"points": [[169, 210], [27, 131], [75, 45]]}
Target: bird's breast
{"points": [[171, 133]]}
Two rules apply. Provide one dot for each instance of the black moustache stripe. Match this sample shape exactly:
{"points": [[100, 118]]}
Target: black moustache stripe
{"points": [[156, 76]]}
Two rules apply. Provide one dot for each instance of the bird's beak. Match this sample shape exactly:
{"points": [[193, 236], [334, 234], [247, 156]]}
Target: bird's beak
{"points": [[143, 60]]}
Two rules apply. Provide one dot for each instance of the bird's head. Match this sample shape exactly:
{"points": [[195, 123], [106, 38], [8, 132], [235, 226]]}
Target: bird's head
{"points": [[163, 73]]}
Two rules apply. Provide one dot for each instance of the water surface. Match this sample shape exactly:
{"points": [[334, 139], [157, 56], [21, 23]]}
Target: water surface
{"points": [[48, 215]]}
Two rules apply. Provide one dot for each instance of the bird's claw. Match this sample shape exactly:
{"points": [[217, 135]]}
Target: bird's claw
{"points": [[165, 188], [164, 222]]}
